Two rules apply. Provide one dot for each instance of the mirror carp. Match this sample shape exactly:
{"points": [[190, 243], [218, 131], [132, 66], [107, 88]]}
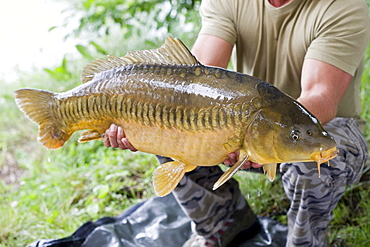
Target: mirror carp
{"points": [[169, 104]]}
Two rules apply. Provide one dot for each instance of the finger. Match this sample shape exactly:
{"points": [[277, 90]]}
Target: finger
{"points": [[112, 135], [120, 133], [256, 165], [106, 139], [120, 137], [233, 158], [128, 145], [246, 165], [123, 142], [227, 162]]}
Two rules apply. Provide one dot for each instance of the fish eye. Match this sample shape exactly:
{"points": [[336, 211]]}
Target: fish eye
{"points": [[295, 135]]}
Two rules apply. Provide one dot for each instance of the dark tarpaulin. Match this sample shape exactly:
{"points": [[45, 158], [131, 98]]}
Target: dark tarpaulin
{"points": [[157, 222]]}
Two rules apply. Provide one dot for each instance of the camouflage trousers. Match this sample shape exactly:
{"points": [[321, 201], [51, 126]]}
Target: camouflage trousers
{"points": [[312, 198]]}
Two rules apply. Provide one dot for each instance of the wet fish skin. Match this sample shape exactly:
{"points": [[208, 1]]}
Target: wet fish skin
{"points": [[171, 105]]}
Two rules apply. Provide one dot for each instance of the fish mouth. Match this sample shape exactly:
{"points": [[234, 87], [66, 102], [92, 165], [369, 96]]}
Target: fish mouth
{"points": [[324, 156]]}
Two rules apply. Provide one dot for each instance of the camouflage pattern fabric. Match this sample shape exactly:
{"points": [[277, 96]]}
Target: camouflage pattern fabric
{"points": [[209, 209], [312, 198]]}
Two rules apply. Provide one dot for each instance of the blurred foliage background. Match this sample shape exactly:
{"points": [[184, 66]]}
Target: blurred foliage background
{"points": [[49, 194]]}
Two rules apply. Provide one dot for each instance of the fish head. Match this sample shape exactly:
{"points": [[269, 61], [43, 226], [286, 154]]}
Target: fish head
{"points": [[284, 131], [303, 139]]}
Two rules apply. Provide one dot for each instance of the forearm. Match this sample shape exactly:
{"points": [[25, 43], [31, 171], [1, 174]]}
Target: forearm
{"points": [[323, 86], [212, 51], [322, 108]]}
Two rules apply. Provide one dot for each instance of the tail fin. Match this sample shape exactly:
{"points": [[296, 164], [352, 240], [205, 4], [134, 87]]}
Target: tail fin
{"points": [[36, 105]]}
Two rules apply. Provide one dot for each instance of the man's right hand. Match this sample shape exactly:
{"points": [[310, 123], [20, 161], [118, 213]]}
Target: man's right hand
{"points": [[234, 157], [115, 137]]}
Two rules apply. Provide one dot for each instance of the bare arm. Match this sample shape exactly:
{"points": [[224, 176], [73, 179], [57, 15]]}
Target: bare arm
{"points": [[323, 86], [212, 51]]}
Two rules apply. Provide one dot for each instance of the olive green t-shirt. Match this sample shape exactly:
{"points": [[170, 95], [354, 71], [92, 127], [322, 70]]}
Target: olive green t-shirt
{"points": [[271, 43]]}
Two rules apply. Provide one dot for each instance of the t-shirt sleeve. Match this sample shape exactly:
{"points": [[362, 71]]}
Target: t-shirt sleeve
{"points": [[218, 19], [342, 36]]}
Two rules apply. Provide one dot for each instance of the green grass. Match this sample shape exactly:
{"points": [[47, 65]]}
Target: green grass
{"points": [[365, 92], [49, 194]]}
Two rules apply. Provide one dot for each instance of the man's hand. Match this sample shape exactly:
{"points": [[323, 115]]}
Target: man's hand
{"points": [[115, 137], [233, 158]]}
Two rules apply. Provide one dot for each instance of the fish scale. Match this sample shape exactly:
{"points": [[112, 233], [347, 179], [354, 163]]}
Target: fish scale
{"points": [[171, 105]]}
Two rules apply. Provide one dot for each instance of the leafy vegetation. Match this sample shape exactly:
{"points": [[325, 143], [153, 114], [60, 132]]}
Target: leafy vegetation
{"points": [[49, 194], [163, 14], [365, 89]]}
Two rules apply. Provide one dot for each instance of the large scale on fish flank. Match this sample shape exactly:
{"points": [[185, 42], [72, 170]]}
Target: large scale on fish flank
{"points": [[171, 105]]}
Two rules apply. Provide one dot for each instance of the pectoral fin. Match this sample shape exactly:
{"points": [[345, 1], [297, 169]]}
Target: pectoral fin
{"points": [[91, 135], [229, 173], [270, 171], [167, 176]]}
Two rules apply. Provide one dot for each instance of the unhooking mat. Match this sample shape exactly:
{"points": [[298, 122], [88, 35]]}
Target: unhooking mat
{"points": [[157, 222]]}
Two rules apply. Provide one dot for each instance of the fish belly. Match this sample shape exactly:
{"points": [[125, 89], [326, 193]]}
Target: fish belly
{"points": [[201, 148]]}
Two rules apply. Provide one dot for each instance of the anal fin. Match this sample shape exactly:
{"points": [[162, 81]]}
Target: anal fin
{"points": [[168, 175], [270, 171]]}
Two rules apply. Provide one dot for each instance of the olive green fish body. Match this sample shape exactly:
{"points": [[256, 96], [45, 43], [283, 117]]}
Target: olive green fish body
{"points": [[171, 105], [187, 104]]}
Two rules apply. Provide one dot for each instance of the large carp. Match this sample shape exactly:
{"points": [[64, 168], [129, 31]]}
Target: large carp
{"points": [[171, 105]]}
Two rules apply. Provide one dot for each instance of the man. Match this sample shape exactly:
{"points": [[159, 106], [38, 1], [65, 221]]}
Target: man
{"points": [[313, 51]]}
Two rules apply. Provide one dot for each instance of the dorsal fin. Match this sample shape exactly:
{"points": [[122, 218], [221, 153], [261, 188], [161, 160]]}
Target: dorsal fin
{"points": [[172, 52]]}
